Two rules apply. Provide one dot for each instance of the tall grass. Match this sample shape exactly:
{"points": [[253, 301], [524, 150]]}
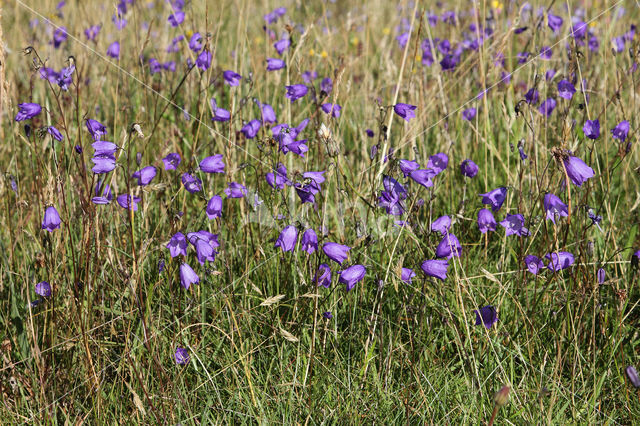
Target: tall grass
{"points": [[101, 348]]}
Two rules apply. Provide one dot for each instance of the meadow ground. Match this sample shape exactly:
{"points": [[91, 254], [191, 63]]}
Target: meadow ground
{"points": [[319, 212]]}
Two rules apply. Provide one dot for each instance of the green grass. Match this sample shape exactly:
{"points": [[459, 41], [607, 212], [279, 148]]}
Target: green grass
{"points": [[261, 351]]}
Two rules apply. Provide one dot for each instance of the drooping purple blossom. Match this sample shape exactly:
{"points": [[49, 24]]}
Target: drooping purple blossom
{"points": [[591, 129], [547, 107], [128, 202], [214, 207], [309, 241], [235, 190], [352, 275], [621, 131], [203, 61], [487, 316], [514, 225], [566, 89], [191, 183], [232, 78], [406, 275], [468, 168], [336, 252], [435, 268], [495, 198], [296, 91], [145, 175], [577, 170], [486, 221], [27, 111], [250, 130], [405, 111], [55, 133], [274, 64], [554, 207], [559, 260], [188, 276], [177, 245], [114, 50], [282, 45], [287, 239], [43, 289], [438, 162], [212, 164], [469, 114], [176, 18], [441, 225], [51, 219], [181, 355], [323, 276], [534, 264], [171, 161], [449, 247]]}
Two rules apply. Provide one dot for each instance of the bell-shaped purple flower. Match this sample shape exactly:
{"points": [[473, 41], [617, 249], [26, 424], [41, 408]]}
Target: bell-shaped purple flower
{"points": [[469, 114], [547, 107], [181, 355], [441, 225], [621, 131], [423, 177], [203, 61], [296, 91], [514, 225], [486, 316], [51, 219], [214, 207], [282, 45], [486, 221], [438, 162], [188, 276], [176, 19], [559, 260], [632, 375], [435, 268], [219, 114], [145, 175], [96, 128], [287, 239], [352, 275], [171, 161], [468, 168], [336, 252], [268, 115], [177, 245], [449, 247], [191, 183], [250, 130], [212, 164], [27, 110], [55, 133], [554, 22], [114, 50], [406, 275], [195, 42], [232, 78], [495, 198], [309, 241], [408, 166], [601, 275], [333, 109], [323, 276], [577, 170], [591, 129], [235, 190], [275, 64], [566, 89], [128, 202], [554, 206], [43, 289], [405, 111], [326, 85], [534, 264]]}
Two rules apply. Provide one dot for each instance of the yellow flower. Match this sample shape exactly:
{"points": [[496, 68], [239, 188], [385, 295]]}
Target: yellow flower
{"points": [[386, 31], [258, 40], [355, 41], [324, 54], [312, 52]]}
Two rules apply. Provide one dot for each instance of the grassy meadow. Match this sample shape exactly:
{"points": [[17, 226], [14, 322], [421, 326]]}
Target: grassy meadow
{"points": [[319, 212]]}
